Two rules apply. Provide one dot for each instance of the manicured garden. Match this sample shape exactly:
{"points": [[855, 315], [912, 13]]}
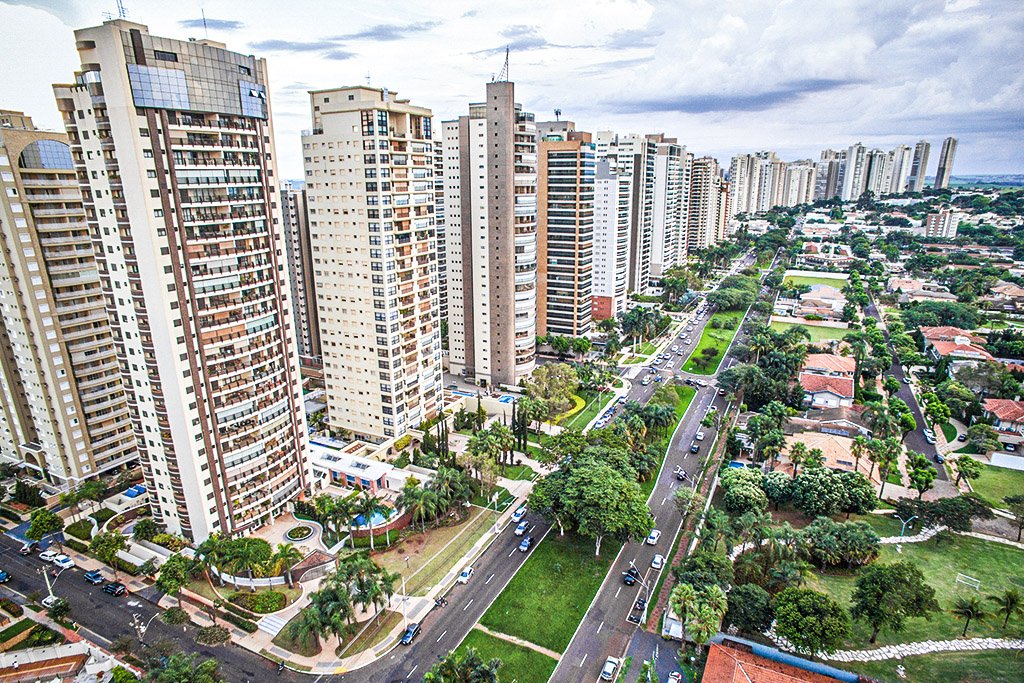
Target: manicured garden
{"points": [[997, 566], [517, 662], [594, 404], [818, 334], [948, 431], [551, 592], [702, 363], [995, 483]]}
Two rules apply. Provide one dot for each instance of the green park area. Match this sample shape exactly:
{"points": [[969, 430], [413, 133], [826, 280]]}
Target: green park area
{"points": [[807, 280], [517, 662], [998, 666], [714, 338], [818, 334], [995, 483], [592, 404]]}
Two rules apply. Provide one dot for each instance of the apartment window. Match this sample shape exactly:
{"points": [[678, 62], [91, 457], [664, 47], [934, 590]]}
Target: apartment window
{"points": [[165, 56], [244, 70]]}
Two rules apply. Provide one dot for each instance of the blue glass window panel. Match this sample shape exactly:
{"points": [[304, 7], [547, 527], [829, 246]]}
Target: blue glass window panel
{"points": [[253, 97], [46, 154], [154, 86]]}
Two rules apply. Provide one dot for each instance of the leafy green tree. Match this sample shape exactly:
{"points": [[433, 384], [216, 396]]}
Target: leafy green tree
{"points": [[750, 609], [687, 501], [818, 492], [858, 494], [182, 668], [106, 546], [705, 568], [1015, 505], [174, 575], [747, 498], [920, 472], [967, 468], [778, 486], [43, 523], [465, 667], [604, 503], [60, 609], [145, 529], [888, 594], [983, 437], [811, 621]]}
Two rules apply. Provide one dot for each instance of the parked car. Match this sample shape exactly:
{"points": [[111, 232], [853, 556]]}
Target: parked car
{"points": [[929, 438], [906, 380], [411, 632], [115, 588], [94, 577], [64, 562], [518, 515], [525, 544], [611, 665], [521, 528], [675, 677], [1010, 446], [4, 576], [961, 437], [28, 548], [464, 576], [50, 600], [939, 459], [49, 555], [695, 447], [653, 537], [630, 576], [658, 561], [639, 604]]}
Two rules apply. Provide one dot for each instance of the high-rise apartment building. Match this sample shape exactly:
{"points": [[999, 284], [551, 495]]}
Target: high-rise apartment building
{"points": [[439, 229], [901, 160], [565, 231], [855, 175], [369, 162], [671, 202], [64, 412], [945, 170], [918, 166], [174, 150], [800, 183], [708, 203], [490, 178], [300, 263], [879, 172], [613, 199], [828, 174]]}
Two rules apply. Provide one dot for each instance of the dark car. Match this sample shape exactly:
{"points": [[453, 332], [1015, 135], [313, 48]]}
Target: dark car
{"points": [[630, 577], [639, 604], [961, 437], [29, 548], [695, 448], [94, 577], [4, 576], [680, 475], [525, 544], [115, 588], [410, 633]]}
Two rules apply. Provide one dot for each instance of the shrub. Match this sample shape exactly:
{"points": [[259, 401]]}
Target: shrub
{"points": [[827, 543], [238, 611], [299, 533], [10, 514], [41, 636], [244, 624], [145, 530], [75, 545], [175, 616], [379, 540], [170, 541], [119, 674], [402, 442], [81, 529], [102, 515], [212, 635], [263, 602], [11, 607]]}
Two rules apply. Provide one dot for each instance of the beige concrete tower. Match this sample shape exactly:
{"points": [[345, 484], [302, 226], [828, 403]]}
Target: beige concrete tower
{"points": [[173, 145], [300, 263], [369, 163], [490, 178], [63, 408]]}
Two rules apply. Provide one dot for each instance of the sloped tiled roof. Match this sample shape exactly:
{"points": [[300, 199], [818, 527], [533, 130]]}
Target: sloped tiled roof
{"points": [[948, 333], [947, 348], [1005, 409], [840, 386], [830, 362], [735, 665]]}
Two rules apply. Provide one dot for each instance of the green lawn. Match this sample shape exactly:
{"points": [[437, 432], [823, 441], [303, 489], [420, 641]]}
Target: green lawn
{"points": [[686, 394], [551, 592], [798, 280], [884, 525], [647, 348], [997, 666], [504, 499], [524, 472], [997, 566], [995, 483], [949, 431], [718, 340], [517, 662], [818, 334], [595, 403]]}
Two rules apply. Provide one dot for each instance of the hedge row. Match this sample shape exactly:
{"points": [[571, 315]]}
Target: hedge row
{"points": [[16, 629], [240, 612], [244, 624], [379, 541], [120, 563]]}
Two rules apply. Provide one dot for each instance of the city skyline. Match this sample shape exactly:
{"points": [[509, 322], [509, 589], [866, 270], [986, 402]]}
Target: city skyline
{"points": [[756, 79]]}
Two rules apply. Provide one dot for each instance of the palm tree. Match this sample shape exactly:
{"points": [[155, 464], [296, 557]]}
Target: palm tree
{"points": [[343, 511], [797, 453], [285, 558], [419, 502], [465, 667], [212, 553], [858, 449], [307, 626], [968, 609], [504, 441], [702, 624], [1009, 603], [368, 505], [682, 598], [249, 555]]}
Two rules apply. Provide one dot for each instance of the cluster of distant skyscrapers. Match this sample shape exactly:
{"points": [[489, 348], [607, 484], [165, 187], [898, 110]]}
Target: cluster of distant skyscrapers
{"points": [[159, 281]]}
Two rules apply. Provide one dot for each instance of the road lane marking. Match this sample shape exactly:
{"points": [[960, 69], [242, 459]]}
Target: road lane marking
{"points": [[618, 591], [441, 636], [409, 675], [468, 604], [600, 626], [512, 553], [665, 498], [583, 660], [488, 579]]}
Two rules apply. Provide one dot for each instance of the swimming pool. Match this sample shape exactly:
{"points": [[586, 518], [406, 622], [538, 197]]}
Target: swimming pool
{"points": [[377, 519]]}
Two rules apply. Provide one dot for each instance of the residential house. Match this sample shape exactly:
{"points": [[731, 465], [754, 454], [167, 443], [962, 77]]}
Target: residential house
{"points": [[738, 661], [827, 391], [845, 421], [826, 255], [1006, 296], [911, 289], [836, 451], [1008, 418], [960, 345], [829, 364]]}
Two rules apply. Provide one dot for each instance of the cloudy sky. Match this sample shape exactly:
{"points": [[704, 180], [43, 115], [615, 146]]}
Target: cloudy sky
{"points": [[724, 76]]}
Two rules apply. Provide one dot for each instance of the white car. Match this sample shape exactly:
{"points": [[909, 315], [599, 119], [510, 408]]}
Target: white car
{"points": [[658, 561], [49, 601], [49, 555], [521, 529], [611, 665], [699, 436], [518, 515], [675, 677], [653, 537], [464, 576], [64, 562]]}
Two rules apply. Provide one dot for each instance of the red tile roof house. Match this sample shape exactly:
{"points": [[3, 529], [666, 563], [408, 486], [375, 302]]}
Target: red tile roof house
{"points": [[960, 345], [825, 391], [733, 661], [830, 364], [1007, 417]]}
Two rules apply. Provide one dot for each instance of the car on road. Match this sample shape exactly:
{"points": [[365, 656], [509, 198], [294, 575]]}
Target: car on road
{"points": [[518, 515], [658, 561], [695, 447], [94, 577], [680, 475], [939, 459], [64, 562], [525, 544], [4, 576], [961, 437], [622, 399], [659, 378], [675, 347], [675, 677], [929, 439], [521, 528], [410, 633], [28, 548], [653, 537], [906, 380], [611, 665], [721, 392], [50, 600], [49, 555], [658, 360], [646, 380], [464, 576], [699, 436], [630, 576], [115, 588]]}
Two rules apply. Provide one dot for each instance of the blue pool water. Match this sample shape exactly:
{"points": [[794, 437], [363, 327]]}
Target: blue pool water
{"points": [[378, 519]]}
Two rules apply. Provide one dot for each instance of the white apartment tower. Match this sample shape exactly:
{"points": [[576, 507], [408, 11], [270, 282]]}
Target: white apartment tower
{"points": [[856, 172], [173, 147], [901, 159], [612, 201], [945, 170], [490, 179], [369, 162], [919, 166], [300, 263], [708, 202], [671, 202], [800, 182], [879, 173], [64, 412]]}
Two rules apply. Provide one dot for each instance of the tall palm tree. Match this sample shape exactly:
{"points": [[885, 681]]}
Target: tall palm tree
{"points": [[285, 558], [682, 599], [504, 441], [419, 502], [702, 624], [249, 555], [213, 553], [307, 626], [466, 667], [367, 505], [1009, 603], [858, 449], [797, 453], [343, 511], [968, 609]]}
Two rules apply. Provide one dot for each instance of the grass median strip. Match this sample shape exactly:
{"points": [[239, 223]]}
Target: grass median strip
{"points": [[517, 662], [702, 361], [551, 592]]}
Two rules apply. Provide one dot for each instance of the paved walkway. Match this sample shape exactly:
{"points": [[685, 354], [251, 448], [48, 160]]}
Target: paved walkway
{"points": [[901, 650], [518, 641]]}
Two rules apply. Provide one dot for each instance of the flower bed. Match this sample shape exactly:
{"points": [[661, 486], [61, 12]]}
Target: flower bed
{"points": [[299, 533], [263, 602]]}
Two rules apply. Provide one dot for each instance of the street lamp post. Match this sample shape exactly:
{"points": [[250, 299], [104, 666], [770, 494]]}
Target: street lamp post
{"points": [[46, 576], [647, 591], [905, 522], [141, 628]]}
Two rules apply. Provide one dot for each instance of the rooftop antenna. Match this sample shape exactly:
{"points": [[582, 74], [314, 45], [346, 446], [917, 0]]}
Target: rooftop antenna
{"points": [[503, 76], [206, 30], [558, 112], [367, 78], [122, 13]]}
